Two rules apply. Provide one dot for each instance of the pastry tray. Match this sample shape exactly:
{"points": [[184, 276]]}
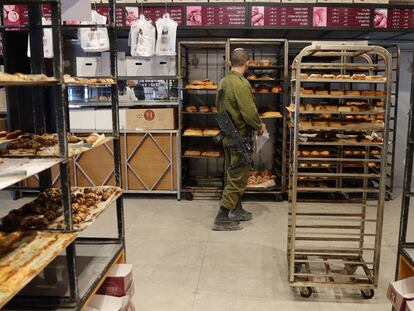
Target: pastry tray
{"points": [[49, 81], [58, 223], [73, 150], [28, 256]]}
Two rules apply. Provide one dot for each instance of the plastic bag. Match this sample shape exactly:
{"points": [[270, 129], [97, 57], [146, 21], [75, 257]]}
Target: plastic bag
{"points": [[47, 40], [94, 39], [167, 36], [142, 38], [260, 141]]}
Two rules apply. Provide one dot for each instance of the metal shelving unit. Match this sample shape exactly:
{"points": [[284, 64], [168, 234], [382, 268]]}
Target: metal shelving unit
{"points": [[337, 245], [273, 156], [197, 60], [405, 257], [76, 293]]}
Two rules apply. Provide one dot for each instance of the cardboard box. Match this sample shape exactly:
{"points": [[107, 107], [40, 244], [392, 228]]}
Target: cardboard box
{"points": [[118, 281], [106, 64], [88, 66], [163, 66], [138, 66], [105, 303], [3, 102], [401, 291], [3, 124], [82, 119], [155, 119]]}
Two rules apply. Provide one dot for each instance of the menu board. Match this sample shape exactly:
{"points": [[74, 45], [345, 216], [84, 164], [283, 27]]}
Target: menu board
{"points": [[214, 15], [395, 18], [15, 15], [154, 13], [337, 17], [288, 16]]}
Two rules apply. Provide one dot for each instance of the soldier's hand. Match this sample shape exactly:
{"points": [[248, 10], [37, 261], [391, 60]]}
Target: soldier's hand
{"points": [[262, 129]]}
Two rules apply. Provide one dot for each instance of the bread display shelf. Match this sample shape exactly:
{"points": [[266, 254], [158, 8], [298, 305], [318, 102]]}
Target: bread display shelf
{"points": [[341, 96], [338, 175], [14, 170], [352, 127], [356, 144], [373, 112], [341, 66], [28, 256], [49, 81], [85, 81], [332, 189], [92, 214], [53, 152], [323, 80], [202, 157]]}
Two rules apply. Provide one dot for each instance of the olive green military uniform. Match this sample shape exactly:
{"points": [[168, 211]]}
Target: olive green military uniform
{"points": [[238, 100]]}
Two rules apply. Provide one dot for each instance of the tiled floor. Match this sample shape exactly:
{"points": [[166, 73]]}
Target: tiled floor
{"points": [[180, 264]]}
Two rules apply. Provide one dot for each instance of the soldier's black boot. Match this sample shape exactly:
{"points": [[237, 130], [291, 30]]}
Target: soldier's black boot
{"points": [[239, 213], [222, 222]]}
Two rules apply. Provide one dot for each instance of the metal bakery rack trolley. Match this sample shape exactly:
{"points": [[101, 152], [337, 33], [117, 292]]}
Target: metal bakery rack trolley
{"points": [[269, 78], [202, 174], [334, 145], [87, 260]]}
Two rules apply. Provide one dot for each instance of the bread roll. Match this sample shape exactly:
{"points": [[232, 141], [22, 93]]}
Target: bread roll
{"points": [[328, 76], [379, 93], [379, 104], [320, 123], [332, 108], [315, 153], [211, 132], [353, 93], [306, 153], [204, 109], [315, 76], [304, 76], [359, 77], [321, 92], [343, 77], [326, 115], [337, 92], [193, 132], [368, 93], [309, 107], [344, 109], [193, 152], [325, 153]]}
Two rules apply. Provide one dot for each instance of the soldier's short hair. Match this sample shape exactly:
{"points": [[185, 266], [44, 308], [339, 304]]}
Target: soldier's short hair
{"points": [[239, 57]]}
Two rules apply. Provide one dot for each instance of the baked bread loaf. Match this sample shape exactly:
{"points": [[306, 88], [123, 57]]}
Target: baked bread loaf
{"points": [[305, 123], [353, 93], [379, 93], [277, 89], [251, 76], [320, 123], [191, 109], [302, 108], [344, 109], [332, 108], [304, 76], [368, 93], [271, 114], [304, 91], [211, 132], [193, 132], [337, 92], [328, 76], [335, 124], [359, 77], [315, 76], [376, 78], [343, 77], [192, 152], [204, 109], [213, 109], [263, 89], [309, 107], [211, 154], [321, 92]]}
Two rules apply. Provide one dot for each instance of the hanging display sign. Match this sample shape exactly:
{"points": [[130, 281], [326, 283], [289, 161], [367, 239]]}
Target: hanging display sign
{"points": [[231, 15], [339, 17], [248, 15], [281, 16]]}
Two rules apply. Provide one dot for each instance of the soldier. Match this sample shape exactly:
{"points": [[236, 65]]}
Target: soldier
{"points": [[236, 97]]}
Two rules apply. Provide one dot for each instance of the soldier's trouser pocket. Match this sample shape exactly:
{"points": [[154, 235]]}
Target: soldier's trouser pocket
{"points": [[236, 180]]}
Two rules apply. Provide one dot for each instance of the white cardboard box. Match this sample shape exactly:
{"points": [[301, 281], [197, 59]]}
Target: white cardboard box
{"points": [[138, 66], [105, 303], [164, 66], [399, 292], [106, 64], [103, 119], [118, 281], [88, 66], [82, 119]]}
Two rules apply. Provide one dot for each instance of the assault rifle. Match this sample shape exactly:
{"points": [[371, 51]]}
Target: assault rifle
{"points": [[239, 144]]}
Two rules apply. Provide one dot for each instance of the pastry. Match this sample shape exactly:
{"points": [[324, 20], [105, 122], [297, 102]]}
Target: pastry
{"points": [[302, 108], [358, 77], [277, 89], [375, 152], [356, 152], [191, 108], [309, 107], [306, 153], [321, 92], [304, 76], [193, 132], [304, 91], [368, 93], [335, 124], [303, 165], [355, 109], [263, 89], [353, 93], [349, 117], [320, 123], [265, 63], [204, 109], [192, 152], [314, 153], [379, 93], [305, 123], [376, 78], [344, 109], [211, 154], [251, 76], [337, 92], [332, 108], [211, 132], [372, 164], [325, 153], [92, 138], [348, 152], [343, 77], [14, 134], [315, 76], [379, 104], [328, 76], [271, 114], [213, 109], [314, 165], [326, 115]]}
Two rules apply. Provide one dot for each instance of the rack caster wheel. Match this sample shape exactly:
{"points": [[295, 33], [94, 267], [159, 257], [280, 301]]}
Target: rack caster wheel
{"points": [[189, 196], [306, 292], [367, 293], [278, 198]]}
